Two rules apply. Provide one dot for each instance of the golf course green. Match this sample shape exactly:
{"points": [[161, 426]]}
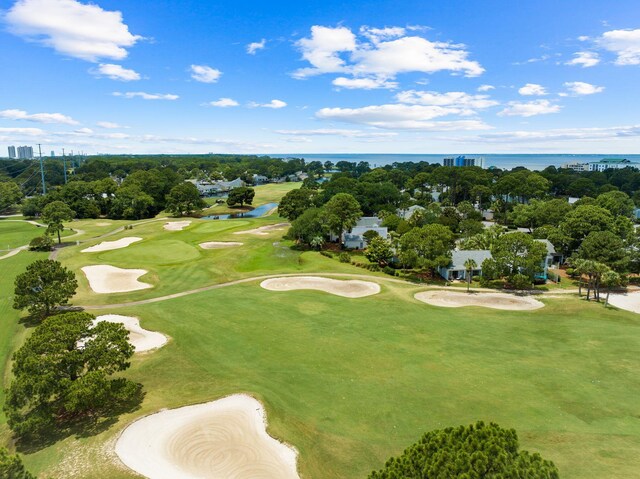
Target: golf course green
{"points": [[347, 382]]}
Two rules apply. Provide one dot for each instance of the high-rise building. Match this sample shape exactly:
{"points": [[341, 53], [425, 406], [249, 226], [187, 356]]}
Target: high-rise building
{"points": [[53, 154], [25, 152], [463, 161], [12, 152]]}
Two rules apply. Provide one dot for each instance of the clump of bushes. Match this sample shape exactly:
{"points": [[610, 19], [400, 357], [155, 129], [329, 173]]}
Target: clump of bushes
{"points": [[41, 243], [328, 254], [344, 257]]}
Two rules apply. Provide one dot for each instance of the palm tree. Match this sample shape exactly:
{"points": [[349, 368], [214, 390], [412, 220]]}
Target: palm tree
{"points": [[470, 265], [610, 279]]}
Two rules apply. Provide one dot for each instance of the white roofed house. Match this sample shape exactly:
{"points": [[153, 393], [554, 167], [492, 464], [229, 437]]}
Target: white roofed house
{"points": [[407, 213], [457, 269], [354, 239], [552, 258]]}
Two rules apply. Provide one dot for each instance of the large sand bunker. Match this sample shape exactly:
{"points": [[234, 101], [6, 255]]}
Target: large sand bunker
{"points": [[142, 339], [628, 301], [109, 245], [349, 288], [219, 244], [451, 299], [220, 439], [263, 230], [176, 225], [109, 279]]}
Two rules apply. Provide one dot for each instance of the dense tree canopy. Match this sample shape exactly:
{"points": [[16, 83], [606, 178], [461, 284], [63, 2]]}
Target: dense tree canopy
{"points": [[477, 451], [341, 213], [242, 195], [295, 202], [54, 214], [44, 286], [11, 466], [63, 370], [184, 198]]}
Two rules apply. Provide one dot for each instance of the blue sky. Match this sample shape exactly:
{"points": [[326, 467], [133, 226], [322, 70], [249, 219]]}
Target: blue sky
{"points": [[321, 77]]}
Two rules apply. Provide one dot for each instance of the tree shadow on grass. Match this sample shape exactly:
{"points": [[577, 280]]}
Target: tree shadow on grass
{"points": [[81, 426]]}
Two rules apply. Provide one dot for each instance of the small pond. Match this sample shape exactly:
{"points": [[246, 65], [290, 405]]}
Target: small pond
{"points": [[254, 213]]}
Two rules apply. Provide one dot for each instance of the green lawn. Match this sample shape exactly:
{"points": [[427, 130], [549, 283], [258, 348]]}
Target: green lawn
{"points": [[270, 193], [17, 233], [350, 382]]}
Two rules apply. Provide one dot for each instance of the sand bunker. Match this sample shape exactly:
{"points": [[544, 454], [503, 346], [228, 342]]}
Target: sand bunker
{"points": [[109, 245], [109, 279], [451, 299], [263, 230], [628, 301], [348, 289], [219, 244], [220, 439], [142, 339], [104, 223], [176, 225]]}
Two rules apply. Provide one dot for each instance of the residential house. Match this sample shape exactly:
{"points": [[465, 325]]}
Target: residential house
{"points": [[407, 213], [354, 239], [456, 270]]}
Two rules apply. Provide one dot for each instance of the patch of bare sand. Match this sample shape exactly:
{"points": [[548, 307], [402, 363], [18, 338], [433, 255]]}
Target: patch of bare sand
{"points": [[627, 301], [142, 339], [347, 288], [226, 439], [109, 245], [104, 223], [452, 299], [106, 279], [176, 225], [263, 230], [219, 244]]}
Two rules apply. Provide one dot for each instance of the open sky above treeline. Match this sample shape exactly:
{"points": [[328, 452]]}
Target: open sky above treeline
{"points": [[318, 77]]}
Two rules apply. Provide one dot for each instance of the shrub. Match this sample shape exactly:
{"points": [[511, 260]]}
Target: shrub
{"points": [[328, 254], [520, 281], [344, 257], [389, 270], [41, 243]]}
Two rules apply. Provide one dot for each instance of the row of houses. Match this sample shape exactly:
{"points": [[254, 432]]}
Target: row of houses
{"points": [[456, 270], [216, 188]]}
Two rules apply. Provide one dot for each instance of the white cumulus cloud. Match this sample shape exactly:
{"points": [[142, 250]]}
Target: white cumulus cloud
{"points": [[253, 47], [379, 54], [146, 96], [223, 103], [115, 72], [532, 89], [37, 117], [71, 28], [624, 43], [582, 88], [109, 125], [484, 88], [275, 104], [339, 132], [457, 99], [531, 108], [364, 83], [205, 74], [584, 59]]}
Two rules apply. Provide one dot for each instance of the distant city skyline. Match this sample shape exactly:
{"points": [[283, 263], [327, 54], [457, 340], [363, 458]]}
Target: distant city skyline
{"points": [[459, 77]]}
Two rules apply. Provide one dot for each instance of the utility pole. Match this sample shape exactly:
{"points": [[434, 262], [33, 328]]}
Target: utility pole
{"points": [[64, 165], [44, 188]]}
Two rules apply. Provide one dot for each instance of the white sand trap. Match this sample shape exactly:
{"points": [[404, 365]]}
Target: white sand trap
{"points": [[451, 299], [628, 301], [109, 279], [219, 244], [104, 223], [263, 230], [109, 245], [142, 339], [224, 439], [349, 289], [176, 225]]}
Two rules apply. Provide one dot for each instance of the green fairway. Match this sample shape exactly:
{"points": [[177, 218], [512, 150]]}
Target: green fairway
{"points": [[350, 382], [14, 234]]}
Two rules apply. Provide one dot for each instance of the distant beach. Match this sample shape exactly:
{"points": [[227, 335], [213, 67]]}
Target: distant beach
{"points": [[504, 161]]}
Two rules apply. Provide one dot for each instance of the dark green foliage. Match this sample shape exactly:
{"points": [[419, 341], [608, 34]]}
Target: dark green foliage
{"points": [[184, 198], [296, 202], [241, 196], [604, 247], [63, 370], [344, 257], [477, 451], [45, 285], [10, 194], [54, 214], [427, 247], [307, 226], [341, 213], [41, 243], [11, 466], [379, 251]]}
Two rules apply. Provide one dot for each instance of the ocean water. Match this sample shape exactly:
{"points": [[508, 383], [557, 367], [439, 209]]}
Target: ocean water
{"points": [[504, 161]]}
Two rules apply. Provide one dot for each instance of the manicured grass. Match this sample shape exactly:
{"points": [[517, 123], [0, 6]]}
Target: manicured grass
{"points": [[270, 193], [351, 382], [17, 233]]}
